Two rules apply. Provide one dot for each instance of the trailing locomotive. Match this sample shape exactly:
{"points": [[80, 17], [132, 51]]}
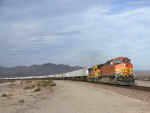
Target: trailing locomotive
{"points": [[116, 71]]}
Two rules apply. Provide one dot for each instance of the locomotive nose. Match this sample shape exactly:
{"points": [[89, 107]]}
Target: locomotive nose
{"points": [[127, 70]]}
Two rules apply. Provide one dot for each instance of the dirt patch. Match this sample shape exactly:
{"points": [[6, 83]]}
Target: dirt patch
{"points": [[18, 95], [82, 97]]}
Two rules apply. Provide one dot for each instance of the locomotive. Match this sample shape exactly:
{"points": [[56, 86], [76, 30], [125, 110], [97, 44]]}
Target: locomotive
{"points": [[115, 71]]}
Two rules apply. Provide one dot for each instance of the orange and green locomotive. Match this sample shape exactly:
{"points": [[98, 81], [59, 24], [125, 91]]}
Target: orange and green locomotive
{"points": [[115, 71]]}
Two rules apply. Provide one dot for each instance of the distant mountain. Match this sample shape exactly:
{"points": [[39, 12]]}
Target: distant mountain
{"points": [[37, 70]]}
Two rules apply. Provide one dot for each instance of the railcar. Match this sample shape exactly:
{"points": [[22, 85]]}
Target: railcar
{"points": [[115, 71]]}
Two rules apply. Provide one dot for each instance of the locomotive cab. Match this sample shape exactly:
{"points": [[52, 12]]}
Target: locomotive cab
{"points": [[123, 66], [123, 70]]}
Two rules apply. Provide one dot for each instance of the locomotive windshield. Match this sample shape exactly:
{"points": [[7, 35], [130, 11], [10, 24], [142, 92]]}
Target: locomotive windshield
{"points": [[117, 61], [126, 61]]}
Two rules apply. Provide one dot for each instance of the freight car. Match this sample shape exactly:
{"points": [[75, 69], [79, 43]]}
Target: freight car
{"points": [[116, 71]]}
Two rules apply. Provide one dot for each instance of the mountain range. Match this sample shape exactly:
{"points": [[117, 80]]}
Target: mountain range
{"points": [[37, 70]]}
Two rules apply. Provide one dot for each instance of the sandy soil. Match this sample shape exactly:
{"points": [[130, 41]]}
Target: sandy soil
{"points": [[80, 97], [143, 83], [74, 97], [19, 96]]}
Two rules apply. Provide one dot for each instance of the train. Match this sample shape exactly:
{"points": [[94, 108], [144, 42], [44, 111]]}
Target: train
{"points": [[118, 70]]}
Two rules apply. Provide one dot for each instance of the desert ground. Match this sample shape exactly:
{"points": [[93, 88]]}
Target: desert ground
{"points": [[143, 83], [72, 97]]}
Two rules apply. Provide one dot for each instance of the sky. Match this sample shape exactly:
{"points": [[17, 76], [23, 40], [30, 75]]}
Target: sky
{"points": [[74, 32]]}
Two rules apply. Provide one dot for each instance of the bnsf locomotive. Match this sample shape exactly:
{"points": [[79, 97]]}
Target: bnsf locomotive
{"points": [[116, 71]]}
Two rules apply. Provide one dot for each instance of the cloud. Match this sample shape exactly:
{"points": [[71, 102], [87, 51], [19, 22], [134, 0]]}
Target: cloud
{"points": [[74, 32]]}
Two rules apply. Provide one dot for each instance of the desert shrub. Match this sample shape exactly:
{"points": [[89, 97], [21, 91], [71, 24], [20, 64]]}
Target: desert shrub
{"points": [[6, 95], [29, 86], [37, 89], [45, 83], [36, 84], [21, 101], [52, 83]]}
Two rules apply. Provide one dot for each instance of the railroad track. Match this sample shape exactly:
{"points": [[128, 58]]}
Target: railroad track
{"points": [[143, 88], [135, 87]]}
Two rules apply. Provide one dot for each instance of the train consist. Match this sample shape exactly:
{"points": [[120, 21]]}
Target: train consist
{"points": [[115, 71]]}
